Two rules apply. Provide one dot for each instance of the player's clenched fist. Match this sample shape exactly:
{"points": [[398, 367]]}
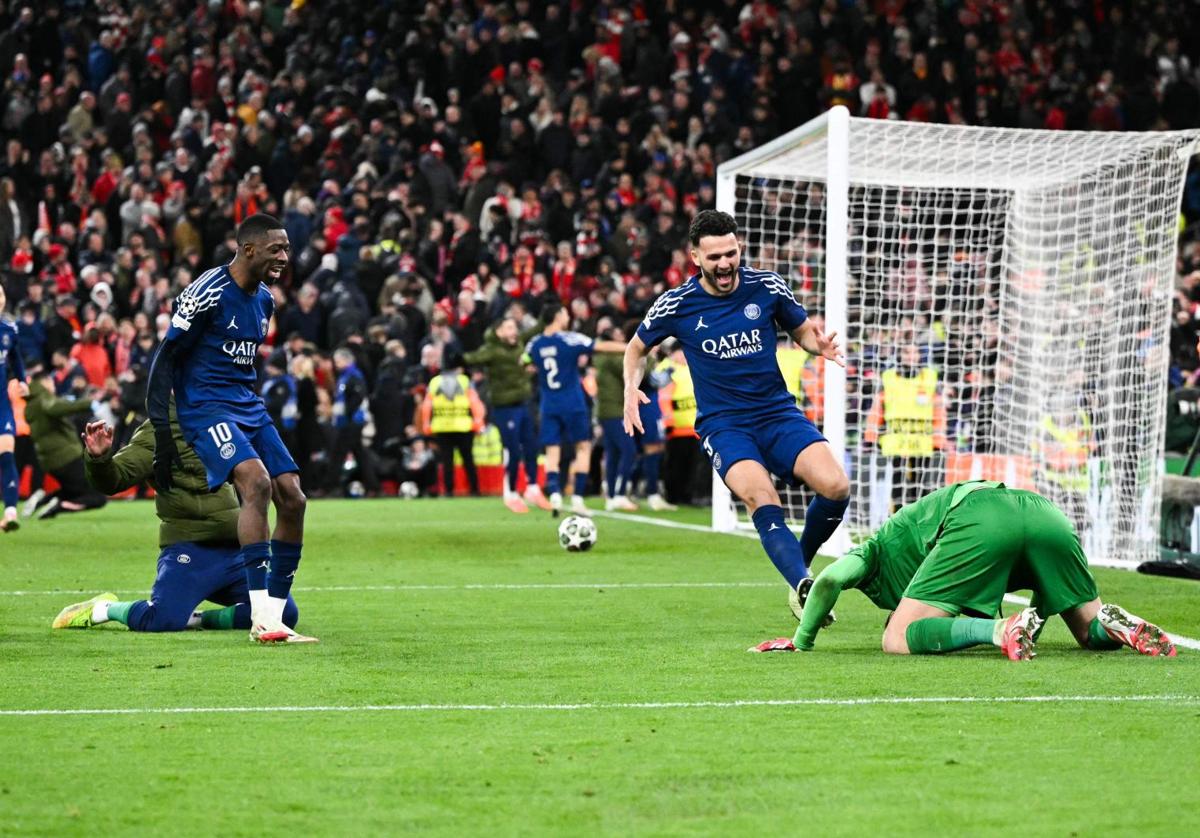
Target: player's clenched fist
{"points": [[97, 438]]}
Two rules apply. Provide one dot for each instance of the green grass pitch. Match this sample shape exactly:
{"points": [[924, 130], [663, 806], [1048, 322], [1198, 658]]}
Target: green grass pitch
{"points": [[450, 613]]}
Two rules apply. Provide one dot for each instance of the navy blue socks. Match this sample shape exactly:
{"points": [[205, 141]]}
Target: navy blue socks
{"points": [[820, 521], [780, 543]]}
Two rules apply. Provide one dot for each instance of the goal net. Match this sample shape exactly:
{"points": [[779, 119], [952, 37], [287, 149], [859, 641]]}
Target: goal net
{"points": [[1003, 297]]}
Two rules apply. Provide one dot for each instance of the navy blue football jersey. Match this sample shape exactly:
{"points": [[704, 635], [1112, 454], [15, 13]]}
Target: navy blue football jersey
{"points": [[219, 328], [557, 357], [729, 342]]}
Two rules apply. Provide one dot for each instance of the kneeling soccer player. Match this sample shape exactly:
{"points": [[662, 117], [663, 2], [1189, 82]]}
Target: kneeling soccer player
{"points": [[200, 558], [957, 551]]}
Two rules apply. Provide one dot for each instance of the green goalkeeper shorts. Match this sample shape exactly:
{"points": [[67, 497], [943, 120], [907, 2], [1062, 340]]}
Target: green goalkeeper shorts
{"points": [[999, 540]]}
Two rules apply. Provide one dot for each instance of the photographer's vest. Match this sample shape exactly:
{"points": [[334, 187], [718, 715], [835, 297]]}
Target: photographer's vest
{"points": [[683, 402], [451, 415], [908, 406]]}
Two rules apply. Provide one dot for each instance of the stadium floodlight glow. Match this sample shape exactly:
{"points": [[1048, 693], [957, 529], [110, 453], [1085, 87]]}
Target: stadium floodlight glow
{"points": [[1032, 271]]}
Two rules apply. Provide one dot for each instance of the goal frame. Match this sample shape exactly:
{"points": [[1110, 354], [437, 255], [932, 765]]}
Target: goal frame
{"points": [[833, 128]]}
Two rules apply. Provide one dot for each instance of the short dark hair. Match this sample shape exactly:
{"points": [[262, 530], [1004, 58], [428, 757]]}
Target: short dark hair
{"points": [[254, 227], [711, 223], [550, 311]]}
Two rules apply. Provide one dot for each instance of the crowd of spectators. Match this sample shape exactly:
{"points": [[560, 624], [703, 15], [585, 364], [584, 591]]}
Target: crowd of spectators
{"points": [[438, 164]]}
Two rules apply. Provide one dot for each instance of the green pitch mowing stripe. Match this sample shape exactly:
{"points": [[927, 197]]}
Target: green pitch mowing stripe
{"points": [[628, 705]]}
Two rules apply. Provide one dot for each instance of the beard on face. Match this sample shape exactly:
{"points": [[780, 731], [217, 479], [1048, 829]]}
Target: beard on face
{"points": [[712, 276]]}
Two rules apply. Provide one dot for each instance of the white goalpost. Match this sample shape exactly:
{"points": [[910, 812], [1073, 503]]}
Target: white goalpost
{"points": [[1003, 298]]}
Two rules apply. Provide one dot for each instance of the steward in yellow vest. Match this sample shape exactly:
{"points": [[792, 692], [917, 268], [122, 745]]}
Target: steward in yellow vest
{"points": [[1063, 449], [908, 418]]}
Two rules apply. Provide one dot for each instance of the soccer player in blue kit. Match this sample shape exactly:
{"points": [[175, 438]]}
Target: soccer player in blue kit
{"points": [[725, 319], [565, 417], [10, 367], [207, 360]]}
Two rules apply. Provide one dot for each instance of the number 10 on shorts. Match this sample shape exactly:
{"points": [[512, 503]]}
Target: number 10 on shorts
{"points": [[220, 433]]}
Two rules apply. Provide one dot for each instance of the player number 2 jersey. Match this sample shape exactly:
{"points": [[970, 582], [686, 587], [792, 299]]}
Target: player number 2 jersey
{"points": [[557, 357], [219, 329], [729, 341]]}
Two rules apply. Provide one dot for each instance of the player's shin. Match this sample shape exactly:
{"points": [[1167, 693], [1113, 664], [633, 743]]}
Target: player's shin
{"points": [[934, 635], [285, 559], [256, 558], [8, 481], [822, 518], [780, 543]]}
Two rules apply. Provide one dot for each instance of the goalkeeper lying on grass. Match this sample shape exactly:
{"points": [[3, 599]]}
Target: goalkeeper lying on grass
{"points": [[943, 564]]}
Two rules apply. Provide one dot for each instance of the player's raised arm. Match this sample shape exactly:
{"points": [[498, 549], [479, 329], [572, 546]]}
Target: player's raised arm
{"points": [[110, 472], [634, 369]]}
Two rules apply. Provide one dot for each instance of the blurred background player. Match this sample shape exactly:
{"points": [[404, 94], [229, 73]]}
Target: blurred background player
{"points": [[501, 360], [565, 420], [650, 440], [207, 360], [943, 564], [200, 557], [349, 419], [725, 319], [620, 449], [10, 367], [56, 440], [452, 414]]}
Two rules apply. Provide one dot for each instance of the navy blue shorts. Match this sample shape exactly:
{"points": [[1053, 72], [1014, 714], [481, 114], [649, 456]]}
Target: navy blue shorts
{"points": [[652, 424], [225, 443], [566, 428], [8, 424], [773, 441]]}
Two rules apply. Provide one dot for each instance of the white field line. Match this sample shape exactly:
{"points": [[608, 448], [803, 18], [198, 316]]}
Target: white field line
{"points": [[623, 705]]}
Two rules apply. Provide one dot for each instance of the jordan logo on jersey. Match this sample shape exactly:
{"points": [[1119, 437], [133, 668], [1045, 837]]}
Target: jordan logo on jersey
{"points": [[232, 323], [700, 324]]}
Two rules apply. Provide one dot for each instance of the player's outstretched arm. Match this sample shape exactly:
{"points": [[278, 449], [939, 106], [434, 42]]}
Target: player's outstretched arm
{"points": [[846, 572], [634, 369], [112, 473]]}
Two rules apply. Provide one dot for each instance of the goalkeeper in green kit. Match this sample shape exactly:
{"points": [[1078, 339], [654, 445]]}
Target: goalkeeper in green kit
{"points": [[943, 564]]}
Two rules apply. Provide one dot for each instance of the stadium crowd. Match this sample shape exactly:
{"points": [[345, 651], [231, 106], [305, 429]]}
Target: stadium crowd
{"points": [[441, 165]]}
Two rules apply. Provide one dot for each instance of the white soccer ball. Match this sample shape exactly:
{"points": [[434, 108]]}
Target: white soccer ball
{"points": [[409, 489], [577, 533]]}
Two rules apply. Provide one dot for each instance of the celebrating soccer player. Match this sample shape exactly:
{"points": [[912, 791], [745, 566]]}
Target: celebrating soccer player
{"points": [[10, 367], [207, 359], [725, 319], [565, 419], [200, 559], [956, 552]]}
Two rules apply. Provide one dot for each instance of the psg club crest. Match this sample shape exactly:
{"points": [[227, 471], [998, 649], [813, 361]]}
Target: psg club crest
{"points": [[752, 312], [228, 450], [184, 558]]}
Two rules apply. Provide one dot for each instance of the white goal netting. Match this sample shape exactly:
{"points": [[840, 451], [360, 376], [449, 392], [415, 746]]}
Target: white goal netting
{"points": [[1006, 299]]}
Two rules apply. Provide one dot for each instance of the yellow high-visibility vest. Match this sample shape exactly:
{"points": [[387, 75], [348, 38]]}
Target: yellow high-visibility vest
{"points": [[683, 401], [791, 364], [450, 415], [1070, 470], [908, 408]]}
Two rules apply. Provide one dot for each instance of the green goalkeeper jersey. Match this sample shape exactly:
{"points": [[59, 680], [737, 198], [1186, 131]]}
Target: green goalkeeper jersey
{"points": [[884, 565]]}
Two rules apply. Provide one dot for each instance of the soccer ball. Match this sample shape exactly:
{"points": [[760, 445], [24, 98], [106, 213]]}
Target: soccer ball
{"points": [[577, 533], [409, 489]]}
